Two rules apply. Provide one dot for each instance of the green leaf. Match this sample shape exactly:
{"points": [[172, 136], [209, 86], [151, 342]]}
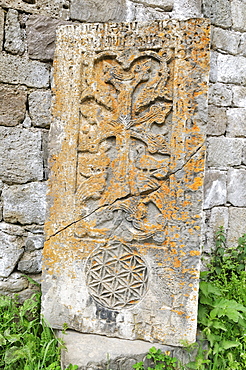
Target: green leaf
{"points": [[226, 344]]}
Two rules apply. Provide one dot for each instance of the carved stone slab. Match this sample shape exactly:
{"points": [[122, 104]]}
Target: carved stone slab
{"points": [[123, 229]]}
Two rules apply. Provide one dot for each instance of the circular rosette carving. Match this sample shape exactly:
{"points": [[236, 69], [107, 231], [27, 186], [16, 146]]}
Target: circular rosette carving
{"points": [[116, 276]]}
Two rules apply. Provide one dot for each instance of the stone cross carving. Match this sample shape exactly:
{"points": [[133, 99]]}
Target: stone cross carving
{"points": [[127, 158]]}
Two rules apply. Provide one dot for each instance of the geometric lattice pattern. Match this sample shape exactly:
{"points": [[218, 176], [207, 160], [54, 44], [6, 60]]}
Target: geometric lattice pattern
{"points": [[116, 276]]}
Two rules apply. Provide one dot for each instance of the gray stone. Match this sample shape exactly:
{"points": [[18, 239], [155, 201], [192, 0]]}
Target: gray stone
{"points": [[98, 11], [15, 283], [138, 12], [108, 353], [21, 158], [236, 122], [184, 9], [244, 153], [27, 123], [34, 242], [17, 70], [31, 262], [239, 96], [238, 11], [223, 40], [166, 5], [24, 203], [214, 189], [242, 46], [14, 37], [41, 34], [12, 105], [213, 75], [231, 69], [217, 120], [236, 187], [224, 152], [219, 217], [219, 12], [236, 228], [12, 229], [220, 95], [10, 252], [39, 108], [1, 28]]}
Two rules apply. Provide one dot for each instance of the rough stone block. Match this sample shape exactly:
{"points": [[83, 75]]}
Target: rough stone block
{"points": [[21, 158], [95, 11], [224, 152], [238, 11], [125, 201], [15, 283], [41, 34], [34, 242], [17, 70], [1, 28], [166, 5], [217, 120], [239, 96], [24, 203], [231, 69], [219, 12], [12, 105], [112, 352], [236, 188], [185, 9], [213, 75], [220, 94], [219, 217], [236, 122], [14, 36], [12, 248], [242, 46], [244, 152], [39, 108], [31, 262], [223, 40], [137, 12], [236, 228], [214, 189]]}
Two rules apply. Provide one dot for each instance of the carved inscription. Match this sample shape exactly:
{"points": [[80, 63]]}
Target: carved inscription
{"points": [[116, 276], [127, 160]]}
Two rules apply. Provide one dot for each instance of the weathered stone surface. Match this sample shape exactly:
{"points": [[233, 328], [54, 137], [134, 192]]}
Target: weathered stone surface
{"points": [[24, 203], [34, 242], [236, 122], [137, 12], [39, 108], [217, 120], [224, 152], [126, 179], [242, 46], [166, 5], [102, 351], [185, 9], [219, 217], [21, 158], [15, 283], [223, 40], [238, 11], [219, 12], [214, 189], [237, 187], [10, 252], [41, 34], [220, 94], [239, 96], [1, 28], [231, 69], [27, 123], [55, 8], [236, 228], [14, 36], [31, 262], [12, 105], [95, 11], [244, 152], [17, 70], [213, 75]]}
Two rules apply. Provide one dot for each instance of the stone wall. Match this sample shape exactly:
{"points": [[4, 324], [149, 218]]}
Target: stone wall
{"points": [[27, 35]]}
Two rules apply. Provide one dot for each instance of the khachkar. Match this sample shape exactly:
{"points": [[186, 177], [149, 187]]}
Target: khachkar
{"points": [[127, 157]]}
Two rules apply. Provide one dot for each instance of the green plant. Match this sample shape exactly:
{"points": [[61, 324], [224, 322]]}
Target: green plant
{"points": [[26, 341], [160, 361], [222, 307]]}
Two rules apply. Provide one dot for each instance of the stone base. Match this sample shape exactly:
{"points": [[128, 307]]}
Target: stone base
{"points": [[96, 352]]}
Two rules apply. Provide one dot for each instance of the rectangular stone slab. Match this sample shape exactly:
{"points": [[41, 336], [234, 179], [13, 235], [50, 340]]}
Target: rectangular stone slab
{"points": [[123, 229]]}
